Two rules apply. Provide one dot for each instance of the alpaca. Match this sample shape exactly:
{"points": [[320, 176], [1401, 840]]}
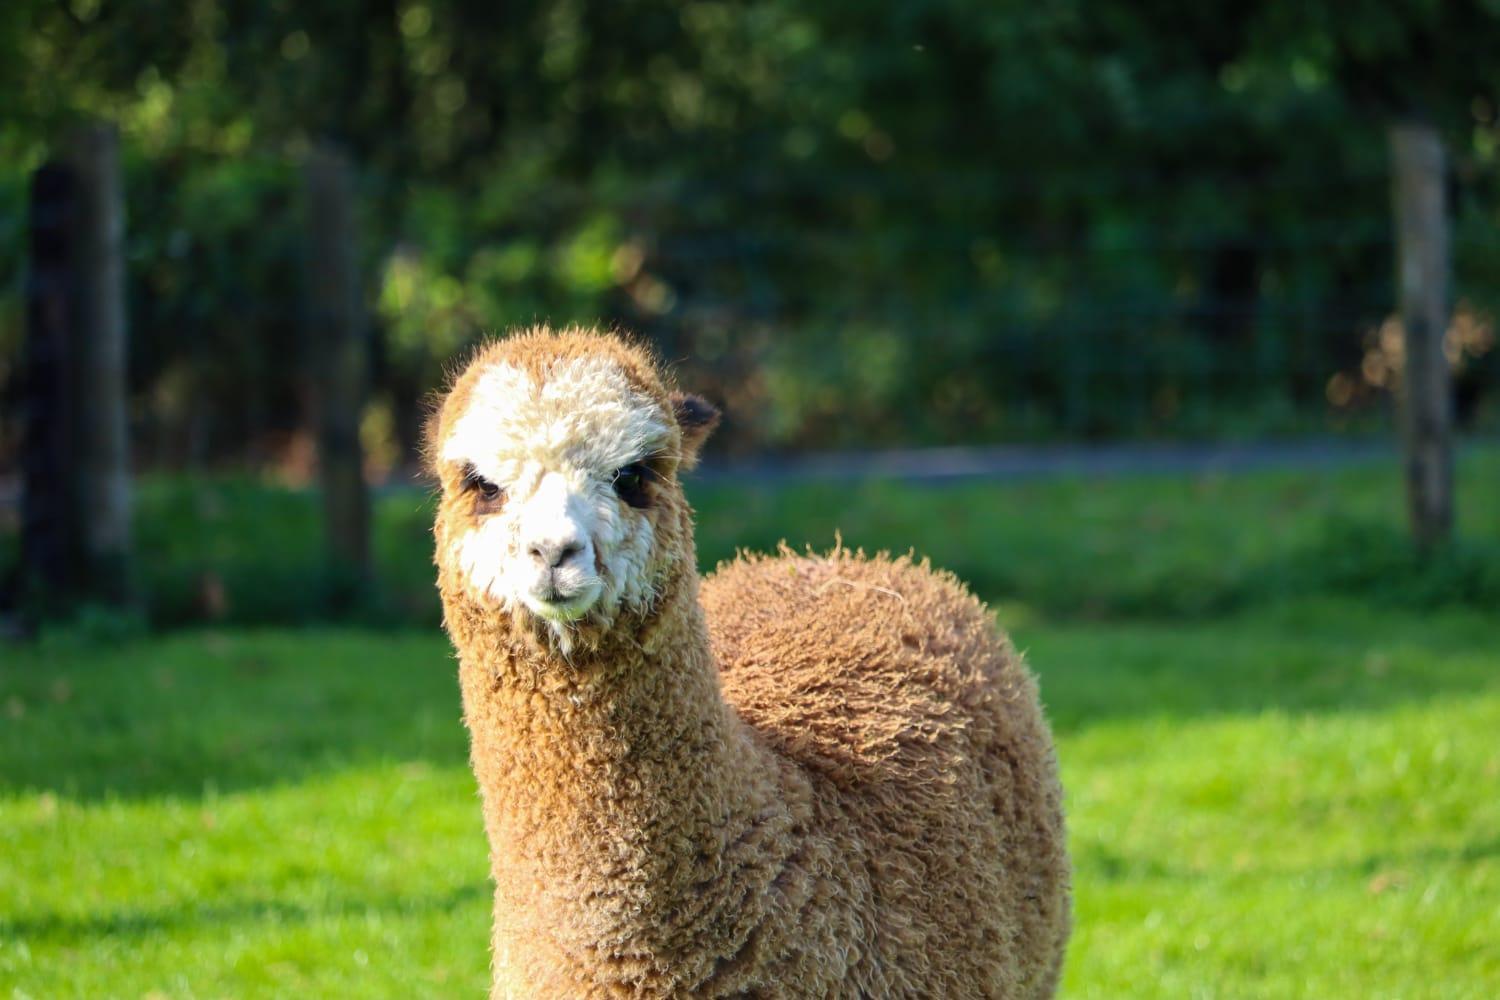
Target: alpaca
{"points": [[805, 776]]}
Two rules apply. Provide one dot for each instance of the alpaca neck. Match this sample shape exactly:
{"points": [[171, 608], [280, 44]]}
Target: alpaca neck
{"points": [[621, 792]]}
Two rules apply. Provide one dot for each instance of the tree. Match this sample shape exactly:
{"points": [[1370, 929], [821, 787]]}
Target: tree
{"points": [[76, 508]]}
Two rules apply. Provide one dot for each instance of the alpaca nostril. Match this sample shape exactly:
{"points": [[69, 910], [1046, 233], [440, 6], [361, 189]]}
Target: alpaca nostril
{"points": [[554, 554]]}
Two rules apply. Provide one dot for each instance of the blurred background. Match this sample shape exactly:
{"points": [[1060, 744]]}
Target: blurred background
{"points": [[927, 224], [1170, 329]]}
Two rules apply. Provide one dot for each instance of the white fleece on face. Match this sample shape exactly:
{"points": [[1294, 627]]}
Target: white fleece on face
{"points": [[554, 449]]}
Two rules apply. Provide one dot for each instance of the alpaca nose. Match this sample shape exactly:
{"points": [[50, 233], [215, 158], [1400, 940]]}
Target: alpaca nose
{"points": [[554, 552]]}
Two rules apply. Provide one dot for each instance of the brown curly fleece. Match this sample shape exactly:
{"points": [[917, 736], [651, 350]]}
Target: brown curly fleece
{"points": [[814, 776]]}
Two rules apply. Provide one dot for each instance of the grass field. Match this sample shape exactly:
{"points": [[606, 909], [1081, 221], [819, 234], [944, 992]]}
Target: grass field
{"points": [[1281, 804], [1157, 546], [1277, 792]]}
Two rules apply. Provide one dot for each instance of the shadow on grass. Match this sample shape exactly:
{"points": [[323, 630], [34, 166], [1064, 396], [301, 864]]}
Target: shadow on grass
{"points": [[138, 923], [208, 711], [1113, 865], [1306, 658]]}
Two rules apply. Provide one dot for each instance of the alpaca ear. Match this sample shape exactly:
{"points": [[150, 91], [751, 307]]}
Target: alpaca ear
{"points": [[697, 418]]}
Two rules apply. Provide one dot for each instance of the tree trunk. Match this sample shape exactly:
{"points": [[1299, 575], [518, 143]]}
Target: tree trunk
{"points": [[100, 364], [1420, 200], [76, 499], [49, 553], [340, 359]]}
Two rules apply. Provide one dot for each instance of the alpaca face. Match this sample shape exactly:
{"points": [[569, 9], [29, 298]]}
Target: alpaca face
{"points": [[552, 482]]}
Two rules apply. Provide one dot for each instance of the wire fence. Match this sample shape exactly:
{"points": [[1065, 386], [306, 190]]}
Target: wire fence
{"points": [[826, 307]]}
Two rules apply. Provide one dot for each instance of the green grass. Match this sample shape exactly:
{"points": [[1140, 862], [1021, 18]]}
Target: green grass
{"points": [[1158, 546], [1187, 547], [276, 814], [1290, 802], [1276, 723]]}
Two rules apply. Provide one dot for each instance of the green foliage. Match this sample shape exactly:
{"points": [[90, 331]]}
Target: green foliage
{"points": [[1278, 804], [95, 624], [932, 222]]}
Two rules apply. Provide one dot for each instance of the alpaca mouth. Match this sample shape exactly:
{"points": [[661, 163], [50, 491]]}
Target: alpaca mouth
{"points": [[558, 605]]}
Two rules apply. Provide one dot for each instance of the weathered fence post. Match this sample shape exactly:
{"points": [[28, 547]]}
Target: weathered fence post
{"points": [[76, 468], [48, 553], [340, 360], [1422, 268], [100, 364]]}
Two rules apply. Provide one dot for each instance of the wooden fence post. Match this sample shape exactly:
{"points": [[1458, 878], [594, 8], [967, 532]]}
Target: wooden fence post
{"points": [[76, 467], [340, 362], [1422, 268], [99, 360], [49, 558]]}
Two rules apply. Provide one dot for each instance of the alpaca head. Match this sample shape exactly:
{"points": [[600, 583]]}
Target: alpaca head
{"points": [[558, 456]]}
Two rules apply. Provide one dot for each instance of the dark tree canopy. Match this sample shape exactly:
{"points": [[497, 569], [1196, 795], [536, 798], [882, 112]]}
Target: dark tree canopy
{"points": [[919, 221]]}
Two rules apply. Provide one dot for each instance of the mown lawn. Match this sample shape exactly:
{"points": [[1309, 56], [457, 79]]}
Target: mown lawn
{"points": [[1294, 801], [1278, 729]]}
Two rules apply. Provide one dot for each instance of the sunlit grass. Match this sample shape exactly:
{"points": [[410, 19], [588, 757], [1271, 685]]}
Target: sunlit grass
{"points": [[1286, 806], [1296, 802], [270, 815]]}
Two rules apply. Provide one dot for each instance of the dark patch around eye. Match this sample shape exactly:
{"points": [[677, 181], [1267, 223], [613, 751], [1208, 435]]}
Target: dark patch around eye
{"points": [[631, 483], [488, 497]]}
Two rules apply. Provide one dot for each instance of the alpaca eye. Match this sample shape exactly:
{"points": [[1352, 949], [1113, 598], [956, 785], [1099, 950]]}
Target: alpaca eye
{"points": [[630, 483], [487, 496]]}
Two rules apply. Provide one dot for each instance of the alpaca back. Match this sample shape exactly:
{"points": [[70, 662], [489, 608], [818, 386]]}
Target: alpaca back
{"points": [[920, 728]]}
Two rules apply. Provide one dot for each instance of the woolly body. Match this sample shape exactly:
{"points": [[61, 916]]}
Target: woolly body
{"points": [[812, 776]]}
